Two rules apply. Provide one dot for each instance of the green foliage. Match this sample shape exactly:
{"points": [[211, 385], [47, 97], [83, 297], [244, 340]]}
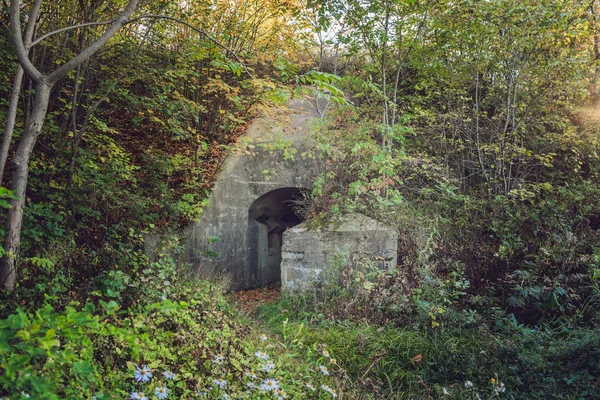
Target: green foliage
{"points": [[438, 340], [5, 197], [324, 86], [184, 327], [358, 173], [464, 134], [49, 355]]}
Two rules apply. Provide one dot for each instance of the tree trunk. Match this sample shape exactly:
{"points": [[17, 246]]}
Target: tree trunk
{"points": [[33, 127], [11, 116], [34, 122], [10, 119]]}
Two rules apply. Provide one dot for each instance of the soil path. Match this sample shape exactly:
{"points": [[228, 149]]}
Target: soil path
{"points": [[248, 300]]}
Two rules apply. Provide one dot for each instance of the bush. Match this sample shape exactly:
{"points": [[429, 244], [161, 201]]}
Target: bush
{"points": [[177, 336]]}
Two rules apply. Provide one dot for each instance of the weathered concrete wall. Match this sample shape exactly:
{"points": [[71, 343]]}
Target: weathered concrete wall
{"points": [[225, 241], [306, 253]]}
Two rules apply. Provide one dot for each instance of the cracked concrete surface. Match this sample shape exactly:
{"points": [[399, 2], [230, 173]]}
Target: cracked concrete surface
{"points": [[224, 242]]}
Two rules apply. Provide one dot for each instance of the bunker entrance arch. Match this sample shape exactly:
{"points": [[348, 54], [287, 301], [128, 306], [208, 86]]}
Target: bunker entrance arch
{"points": [[268, 217]]}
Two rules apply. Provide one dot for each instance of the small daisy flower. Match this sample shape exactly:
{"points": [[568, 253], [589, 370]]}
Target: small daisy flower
{"points": [[202, 393], [326, 353], [161, 392], [263, 337], [218, 359], [310, 387], [268, 367], [250, 375], [225, 396], [251, 385], [262, 355], [279, 394], [142, 374], [138, 396], [169, 375], [333, 361], [329, 390], [324, 369], [220, 382], [500, 388], [26, 395], [269, 384]]}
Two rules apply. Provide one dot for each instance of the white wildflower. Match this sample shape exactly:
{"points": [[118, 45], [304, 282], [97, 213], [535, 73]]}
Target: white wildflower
{"points": [[138, 396], [169, 375], [269, 384], [500, 388], [250, 375], [220, 382], [268, 366], [142, 374], [161, 392]]}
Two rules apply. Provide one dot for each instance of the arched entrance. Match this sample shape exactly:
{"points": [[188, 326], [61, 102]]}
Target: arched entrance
{"points": [[268, 217]]}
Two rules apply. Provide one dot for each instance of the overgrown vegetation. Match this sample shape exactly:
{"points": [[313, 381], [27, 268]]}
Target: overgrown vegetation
{"points": [[469, 127], [151, 333]]}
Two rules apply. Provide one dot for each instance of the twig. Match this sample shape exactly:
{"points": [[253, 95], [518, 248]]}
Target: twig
{"points": [[198, 30]]}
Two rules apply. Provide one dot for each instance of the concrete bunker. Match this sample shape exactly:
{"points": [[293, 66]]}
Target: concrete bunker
{"points": [[307, 252], [269, 216], [241, 216]]}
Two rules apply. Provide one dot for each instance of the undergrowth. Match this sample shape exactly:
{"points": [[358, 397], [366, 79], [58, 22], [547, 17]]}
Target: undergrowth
{"points": [[153, 332], [439, 342]]}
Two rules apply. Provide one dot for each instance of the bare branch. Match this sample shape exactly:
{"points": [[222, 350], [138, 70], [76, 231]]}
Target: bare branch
{"points": [[16, 90], [31, 20], [95, 46], [69, 28], [198, 30], [21, 49]]}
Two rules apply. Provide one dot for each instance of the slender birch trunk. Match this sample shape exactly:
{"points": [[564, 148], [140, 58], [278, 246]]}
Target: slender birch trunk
{"points": [[42, 84]]}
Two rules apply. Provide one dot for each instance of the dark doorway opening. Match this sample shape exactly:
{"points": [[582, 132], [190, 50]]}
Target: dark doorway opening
{"points": [[269, 216]]}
